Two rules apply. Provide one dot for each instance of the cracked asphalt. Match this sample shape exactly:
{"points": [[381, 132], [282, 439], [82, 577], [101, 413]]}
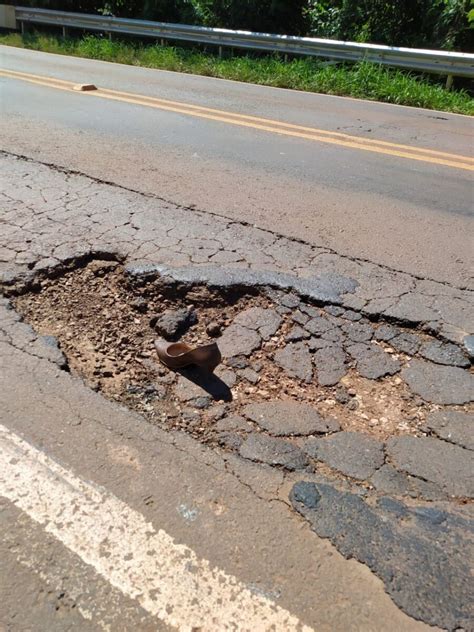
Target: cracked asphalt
{"points": [[296, 549], [52, 215], [379, 208]]}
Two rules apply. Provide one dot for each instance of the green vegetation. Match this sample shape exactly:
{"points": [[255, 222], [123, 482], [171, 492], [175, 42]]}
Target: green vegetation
{"points": [[444, 24], [362, 80]]}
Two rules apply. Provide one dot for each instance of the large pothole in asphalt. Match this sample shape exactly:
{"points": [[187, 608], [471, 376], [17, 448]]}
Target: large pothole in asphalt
{"points": [[328, 369], [364, 410]]}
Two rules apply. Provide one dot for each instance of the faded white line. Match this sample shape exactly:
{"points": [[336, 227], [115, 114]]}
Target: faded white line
{"points": [[167, 579]]}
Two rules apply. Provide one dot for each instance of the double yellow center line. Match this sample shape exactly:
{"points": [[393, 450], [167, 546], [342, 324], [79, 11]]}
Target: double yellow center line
{"points": [[254, 122]]}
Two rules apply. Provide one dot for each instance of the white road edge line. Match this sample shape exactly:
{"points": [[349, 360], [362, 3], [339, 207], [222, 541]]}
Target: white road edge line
{"points": [[167, 579]]}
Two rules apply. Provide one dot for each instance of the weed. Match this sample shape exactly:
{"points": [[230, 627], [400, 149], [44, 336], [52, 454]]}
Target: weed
{"points": [[362, 80]]}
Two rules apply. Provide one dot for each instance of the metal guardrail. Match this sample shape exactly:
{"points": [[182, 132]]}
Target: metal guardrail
{"points": [[434, 61]]}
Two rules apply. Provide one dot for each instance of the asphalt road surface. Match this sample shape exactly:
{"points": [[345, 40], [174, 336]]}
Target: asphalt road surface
{"points": [[113, 522], [332, 183]]}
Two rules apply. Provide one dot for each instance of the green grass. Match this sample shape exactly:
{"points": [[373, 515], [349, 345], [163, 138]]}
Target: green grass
{"points": [[362, 80]]}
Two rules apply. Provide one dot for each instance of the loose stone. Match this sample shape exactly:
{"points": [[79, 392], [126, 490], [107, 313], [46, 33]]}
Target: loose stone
{"points": [[213, 329], [334, 335], [297, 333], [230, 440], [444, 353], [352, 453], [334, 310], [310, 310], [406, 343], [358, 332], [285, 418], [453, 426], [319, 343], [265, 321], [300, 317], [226, 375], [237, 340], [388, 480], [442, 463], [289, 300], [330, 365], [439, 384], [273, 451], [250, 375], [318, 325], [191, 416], [385, 333], [140, 305], [295, 359], [353, 404], [186, 390], [238, 362], [349, 314], [468, 343], [342, 396], [201, 402], [233, 423], [217, 411], [372, 361], [174, 321], [53, 352]]}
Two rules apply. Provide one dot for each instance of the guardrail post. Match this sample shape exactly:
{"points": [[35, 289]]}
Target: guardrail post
{"points": [[220, 51], [162, 42], [449, 82], [64, 32]]}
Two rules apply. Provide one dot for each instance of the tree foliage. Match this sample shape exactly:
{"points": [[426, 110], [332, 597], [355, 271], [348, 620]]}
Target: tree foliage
{"points": [[416, 23], [271, 16], [445, 24]]}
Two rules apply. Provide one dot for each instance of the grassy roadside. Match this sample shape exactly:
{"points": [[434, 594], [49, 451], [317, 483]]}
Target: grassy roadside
{"points": [[363, 80]]}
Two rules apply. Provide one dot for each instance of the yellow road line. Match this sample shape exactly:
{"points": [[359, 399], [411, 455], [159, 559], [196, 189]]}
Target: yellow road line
{"points": [[263, 124], [301, 128]]}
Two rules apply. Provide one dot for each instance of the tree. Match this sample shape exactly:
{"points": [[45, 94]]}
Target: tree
{"points": [[422, 23], [271, 16], [445, 24]]}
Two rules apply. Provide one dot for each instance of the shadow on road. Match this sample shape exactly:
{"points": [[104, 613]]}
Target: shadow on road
{"points": [[209, 382]]}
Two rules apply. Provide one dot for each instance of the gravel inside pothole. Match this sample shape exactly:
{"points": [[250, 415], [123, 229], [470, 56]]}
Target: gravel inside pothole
{"points": [[290, 369]]}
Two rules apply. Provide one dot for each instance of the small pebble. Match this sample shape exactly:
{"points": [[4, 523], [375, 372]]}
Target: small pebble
{"points": [[213, 329], [238, 362], [140, 305], [342, 396]]}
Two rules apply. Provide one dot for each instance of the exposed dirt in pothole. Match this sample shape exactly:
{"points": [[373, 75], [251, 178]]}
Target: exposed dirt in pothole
{"points": [[102, 319]]}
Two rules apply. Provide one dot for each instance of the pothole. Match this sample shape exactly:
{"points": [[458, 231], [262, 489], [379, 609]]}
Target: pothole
{"points": [[276, 348]]}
